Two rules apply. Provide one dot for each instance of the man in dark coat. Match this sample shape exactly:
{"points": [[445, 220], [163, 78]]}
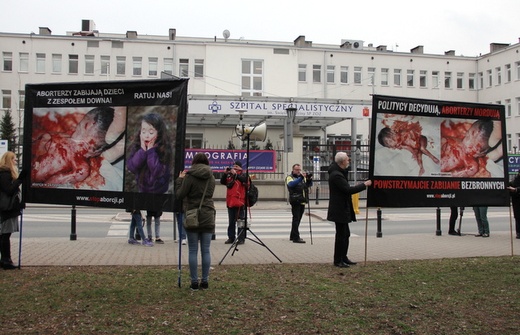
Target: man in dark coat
{"points": [[341, 210], [514, 189]]}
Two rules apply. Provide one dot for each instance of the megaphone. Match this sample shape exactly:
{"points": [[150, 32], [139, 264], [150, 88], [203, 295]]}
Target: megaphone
{"points": [[257, 133]]}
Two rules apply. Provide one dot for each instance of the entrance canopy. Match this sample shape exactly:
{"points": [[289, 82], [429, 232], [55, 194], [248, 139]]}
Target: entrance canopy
{"points": [[226, 111]]}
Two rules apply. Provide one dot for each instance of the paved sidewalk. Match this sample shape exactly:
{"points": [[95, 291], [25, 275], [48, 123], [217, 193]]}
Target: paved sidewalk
{"points": [[116, 251]]}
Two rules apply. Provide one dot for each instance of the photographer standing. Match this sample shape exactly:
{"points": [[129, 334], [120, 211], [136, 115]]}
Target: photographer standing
{"points": [[235, 181], [298, 185]]}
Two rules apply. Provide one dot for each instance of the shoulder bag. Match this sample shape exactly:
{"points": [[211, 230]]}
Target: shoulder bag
{"points": [[192, 215], [8, 202]]}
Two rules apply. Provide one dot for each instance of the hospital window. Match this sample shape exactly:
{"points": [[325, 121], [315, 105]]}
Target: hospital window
{"points": [[152, 66], [40, 63], [435, 79], [330, 74], [409, 78], [302, 72], [6, 99], [120, 65], [194, 141], [423, 75], [384, 77], [447, 79], [137, 65], [343, 74], [252, 77], [24, 62], [460, 79], [508, 73], [508, 107], [397, 77], [89, 64], [168, 65], [184, 65], [316, 73], [199, 68], [56, 63], [105, 65], [371, 75], [21, 99], [73, 64], [471, 81], [8, 61], [357, 74]]}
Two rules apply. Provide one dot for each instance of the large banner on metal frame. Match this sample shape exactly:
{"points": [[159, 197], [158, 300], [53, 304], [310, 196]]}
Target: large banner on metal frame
{"points": [[428, 153], [106, 144]]}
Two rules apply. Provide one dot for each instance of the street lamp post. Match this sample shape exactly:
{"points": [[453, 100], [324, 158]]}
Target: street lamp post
{"points": [[291, 115], [288, 138]]}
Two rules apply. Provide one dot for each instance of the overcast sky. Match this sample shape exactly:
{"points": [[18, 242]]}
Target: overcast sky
{"points": [[466, 26]]}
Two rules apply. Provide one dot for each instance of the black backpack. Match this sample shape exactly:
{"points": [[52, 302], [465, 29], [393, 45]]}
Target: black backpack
{"points": [[252, 195]]}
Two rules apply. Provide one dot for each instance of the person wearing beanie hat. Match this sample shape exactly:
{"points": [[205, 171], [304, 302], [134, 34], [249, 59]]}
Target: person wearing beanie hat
{"points": [[235, 181]]}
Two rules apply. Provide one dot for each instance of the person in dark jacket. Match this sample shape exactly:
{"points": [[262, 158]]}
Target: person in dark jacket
{"points": [[189, 187], [10, 182], [298, 185], [341, 209], [514, 189]]}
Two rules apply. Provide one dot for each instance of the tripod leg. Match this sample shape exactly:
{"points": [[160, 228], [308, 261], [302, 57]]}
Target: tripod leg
{"points": [[460, 221], [259, 241], [180, 249], [20, 241], [234, 245], [309, 214], [263, 244]]}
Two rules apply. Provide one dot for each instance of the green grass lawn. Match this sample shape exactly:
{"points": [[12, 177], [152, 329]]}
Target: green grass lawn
{"points": [[448, 296]]}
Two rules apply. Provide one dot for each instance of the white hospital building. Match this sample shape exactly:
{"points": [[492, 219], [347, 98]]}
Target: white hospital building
{"points": [[331, 84]]}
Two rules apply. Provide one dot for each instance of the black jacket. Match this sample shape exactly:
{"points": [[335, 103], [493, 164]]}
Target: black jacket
{"points": [[340, 208], [298, 187], [9, 186], [516, 184]]}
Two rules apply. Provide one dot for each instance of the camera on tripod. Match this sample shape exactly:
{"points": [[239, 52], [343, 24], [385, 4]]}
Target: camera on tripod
{"points": [[242, 223]]}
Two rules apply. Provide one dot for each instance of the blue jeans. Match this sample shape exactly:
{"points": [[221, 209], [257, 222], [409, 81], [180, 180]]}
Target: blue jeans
{"points": [[482, 220], [180, 225], [137, 222], [235, 213], [157, 220], [193, 247]]}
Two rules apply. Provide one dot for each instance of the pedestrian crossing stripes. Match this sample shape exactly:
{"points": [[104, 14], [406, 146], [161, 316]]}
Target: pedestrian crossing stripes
{"points": [[268, 225], [67, 218]]}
